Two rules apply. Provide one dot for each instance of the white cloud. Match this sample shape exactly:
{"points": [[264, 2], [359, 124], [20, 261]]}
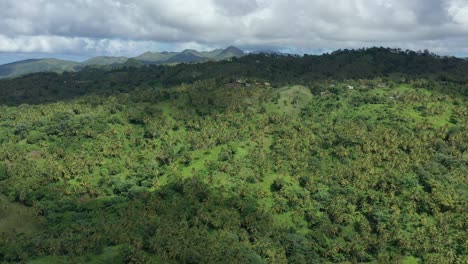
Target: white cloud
{"points": [[74, 45], [126, 27], [458, 12]]}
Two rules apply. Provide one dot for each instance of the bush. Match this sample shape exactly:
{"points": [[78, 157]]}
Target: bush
{"points": [[34, 137]]}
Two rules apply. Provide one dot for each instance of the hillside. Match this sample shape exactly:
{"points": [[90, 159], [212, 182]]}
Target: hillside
{"points": [[37, 65], [105, 60], [186, 56], [448, 75], [349, 157], [229, 52], [155, 57]]}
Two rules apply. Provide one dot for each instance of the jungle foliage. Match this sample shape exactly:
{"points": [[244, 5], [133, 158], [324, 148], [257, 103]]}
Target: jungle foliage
{"points": [[208, 163]]}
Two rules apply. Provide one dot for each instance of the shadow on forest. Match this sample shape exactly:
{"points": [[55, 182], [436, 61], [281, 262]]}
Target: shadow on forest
{"points": [[42, 88], [185, 221]]}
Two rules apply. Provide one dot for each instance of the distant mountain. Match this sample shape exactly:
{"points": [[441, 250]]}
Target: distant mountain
{"points": [[148, 58], [189, 56], [128, 63], [105, 60], [155, 57], [229, 52], [37, 65], [211, 54], [132, 63]]}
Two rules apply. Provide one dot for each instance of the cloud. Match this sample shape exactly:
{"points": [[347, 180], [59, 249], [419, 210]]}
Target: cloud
{"points": [[82, 45], [125, 27], [458, 12], [236, 8]]}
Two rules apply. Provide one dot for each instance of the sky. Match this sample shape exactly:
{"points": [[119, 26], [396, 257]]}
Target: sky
{"points": [[79, 29]]}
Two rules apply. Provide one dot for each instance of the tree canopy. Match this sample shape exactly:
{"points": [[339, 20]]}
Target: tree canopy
{"points": [[349, 157]]}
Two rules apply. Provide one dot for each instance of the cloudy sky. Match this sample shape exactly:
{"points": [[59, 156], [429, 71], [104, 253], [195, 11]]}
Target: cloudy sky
{"points": [[78, 29]]}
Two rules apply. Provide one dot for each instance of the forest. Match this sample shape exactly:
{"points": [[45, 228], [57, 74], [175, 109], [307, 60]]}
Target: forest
{"points": [[357, 156]]}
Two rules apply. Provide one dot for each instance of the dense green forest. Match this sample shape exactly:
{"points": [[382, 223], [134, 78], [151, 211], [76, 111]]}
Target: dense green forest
{"points": [[358, 156]]}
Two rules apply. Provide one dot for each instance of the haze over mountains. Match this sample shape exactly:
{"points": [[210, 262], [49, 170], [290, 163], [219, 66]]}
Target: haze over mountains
{"points": [[148, 58]]}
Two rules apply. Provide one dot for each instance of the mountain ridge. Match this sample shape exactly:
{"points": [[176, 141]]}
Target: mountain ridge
{"points": [[23, 67], [18, 68]]}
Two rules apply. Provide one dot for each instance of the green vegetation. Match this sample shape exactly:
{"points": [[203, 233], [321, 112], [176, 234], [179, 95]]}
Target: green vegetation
{"points": [[222, 167]]}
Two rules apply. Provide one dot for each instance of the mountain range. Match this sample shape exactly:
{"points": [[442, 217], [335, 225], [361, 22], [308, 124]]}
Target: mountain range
{"points": [[19, 68]]}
